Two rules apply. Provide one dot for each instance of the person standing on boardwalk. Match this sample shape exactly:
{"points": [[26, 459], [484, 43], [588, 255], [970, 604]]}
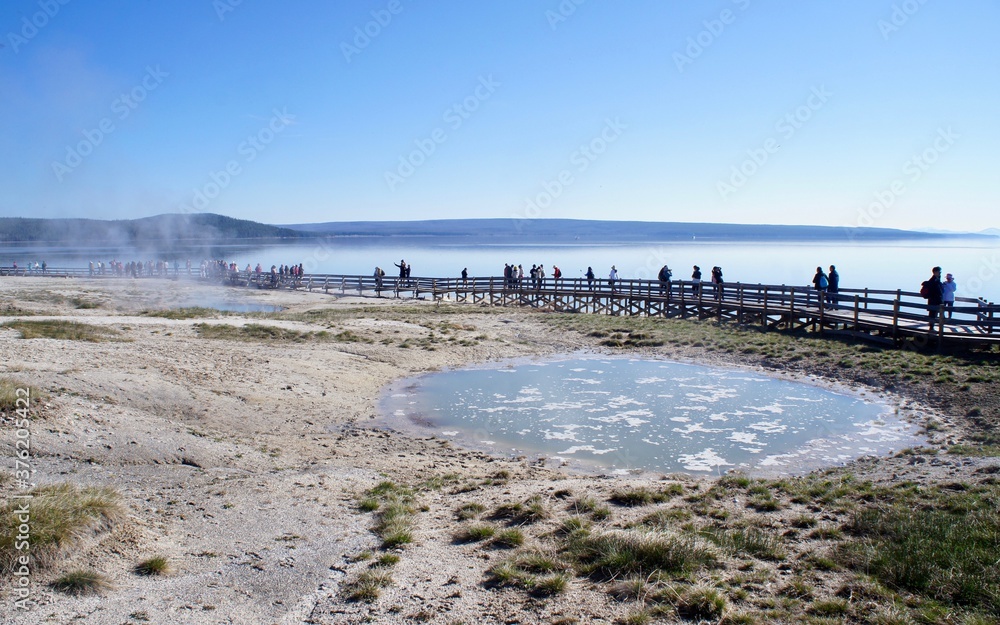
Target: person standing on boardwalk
{"points": [[379, 274], [590, 278], [821, 283], [612, 278], [696, 280], [932, 290], [717, 281], [402, 268], [948, 288], [664, 277], [833, 279], [465, 277]]}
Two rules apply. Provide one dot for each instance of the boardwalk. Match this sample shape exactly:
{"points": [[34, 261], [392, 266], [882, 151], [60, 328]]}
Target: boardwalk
{"points": [[886, 316]]}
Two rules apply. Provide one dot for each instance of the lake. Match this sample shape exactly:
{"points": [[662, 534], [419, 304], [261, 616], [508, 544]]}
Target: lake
{"points": [[622, 415], [887, 265]]}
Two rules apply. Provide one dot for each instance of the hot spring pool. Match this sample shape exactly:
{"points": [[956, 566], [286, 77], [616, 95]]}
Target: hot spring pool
{"points": [[629, 415]]}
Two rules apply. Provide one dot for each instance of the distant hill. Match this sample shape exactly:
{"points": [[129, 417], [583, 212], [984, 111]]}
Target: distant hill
{"points": [[593, 231], [171, 228]]}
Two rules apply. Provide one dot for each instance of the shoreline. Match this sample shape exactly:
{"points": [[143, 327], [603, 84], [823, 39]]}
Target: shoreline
{"points": [[207, 439]]}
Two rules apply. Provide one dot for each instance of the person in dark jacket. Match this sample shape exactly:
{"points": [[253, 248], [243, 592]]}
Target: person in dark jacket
{"points": [[933, 291], [831, 291]]}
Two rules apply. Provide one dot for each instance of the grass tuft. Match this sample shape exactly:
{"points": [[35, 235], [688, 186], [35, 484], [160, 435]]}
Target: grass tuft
{"points": [[509, 539], [368, 586], [81, 582], [157, 565], [475, 533], [61, 515], [623, 553], [702, 604]]}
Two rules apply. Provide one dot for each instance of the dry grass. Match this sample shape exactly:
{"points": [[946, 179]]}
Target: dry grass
{"points": [[64, 331], [61, 515]]}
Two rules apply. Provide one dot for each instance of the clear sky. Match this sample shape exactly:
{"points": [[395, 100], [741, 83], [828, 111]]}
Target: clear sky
{"points": [[847, 113]]}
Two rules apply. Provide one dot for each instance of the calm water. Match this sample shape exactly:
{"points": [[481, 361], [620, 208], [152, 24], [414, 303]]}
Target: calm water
{"points": [[621, 414], [892, 265]]}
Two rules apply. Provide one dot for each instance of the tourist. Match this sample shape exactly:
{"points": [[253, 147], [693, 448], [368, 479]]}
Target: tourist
{"points": [[820, 283], [717, 281], [696, 280], [948, 288], [590, 278], [465, 276], [402, 268], [664, 277], [833, 281], [932, 290], [541, 275], [556, 274], [379, 275], [612, 278]]}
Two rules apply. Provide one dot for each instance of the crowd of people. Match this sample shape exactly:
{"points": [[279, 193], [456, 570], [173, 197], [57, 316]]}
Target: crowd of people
{"points": [[940, 294]]}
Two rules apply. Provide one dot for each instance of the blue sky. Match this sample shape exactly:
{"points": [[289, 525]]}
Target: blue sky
{"points": [[850, 113]]}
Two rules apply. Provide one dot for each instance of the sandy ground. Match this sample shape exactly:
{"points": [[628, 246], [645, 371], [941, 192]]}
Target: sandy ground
{"points": [[242, 462]]}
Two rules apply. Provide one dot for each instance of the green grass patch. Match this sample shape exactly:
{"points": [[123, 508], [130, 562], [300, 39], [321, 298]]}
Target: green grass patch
{"points": [[395, 513], [945, 555], [475, 533], [624, 553], [469, 510], [64, 331], [750, 541], [508, 538]]}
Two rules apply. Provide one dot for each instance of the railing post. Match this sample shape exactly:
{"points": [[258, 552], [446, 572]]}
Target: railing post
{"points": [[895, 319], [940, 316], [866, 298], [791, 306], [989, 328], [856, 304], [763, 318]]}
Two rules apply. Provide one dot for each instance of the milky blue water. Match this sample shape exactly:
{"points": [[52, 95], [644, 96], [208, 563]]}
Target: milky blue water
{"points": [[629, 415]]}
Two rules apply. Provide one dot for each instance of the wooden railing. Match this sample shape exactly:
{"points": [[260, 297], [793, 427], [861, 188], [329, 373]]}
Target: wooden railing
{"points": [[899, 312]]}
